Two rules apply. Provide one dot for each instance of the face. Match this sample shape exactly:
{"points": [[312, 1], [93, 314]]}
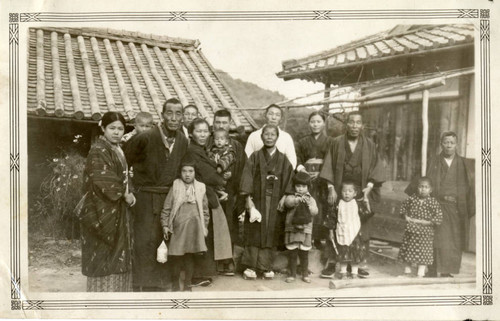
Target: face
{"points": [[189, 115], [187, 174], [173, 116], [301, 188], [222, 123], [273, 116], [114, 131], [201, 133], [269, 137], [220, 139], [449, 145], [354, 125], [424, 189], [141, 125], [316, 124], [348, 192]]}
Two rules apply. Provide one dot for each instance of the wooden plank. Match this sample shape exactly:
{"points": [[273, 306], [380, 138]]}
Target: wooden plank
{"points": [[56, 74], [398, 136], [156, 74], [127, 106], [170, 76], [425, 131], [214, 87], [110, 101], [41, 104], [145, 76], [180, 70], [392, 281], [94, 104], [133, 79], [73, 81]]}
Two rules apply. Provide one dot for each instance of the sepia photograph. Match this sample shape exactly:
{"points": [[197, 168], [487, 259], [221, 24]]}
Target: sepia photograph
{"points": [[223, 159]]}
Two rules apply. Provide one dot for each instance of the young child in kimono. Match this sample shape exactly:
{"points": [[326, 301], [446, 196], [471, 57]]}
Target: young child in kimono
{"points": [[224, 155], [300, 208], [184, 219], [348, 239], [422, 213], [143, 121]]}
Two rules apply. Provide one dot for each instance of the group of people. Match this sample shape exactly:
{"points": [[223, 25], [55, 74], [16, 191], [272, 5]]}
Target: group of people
{"points": [[200, 191]]}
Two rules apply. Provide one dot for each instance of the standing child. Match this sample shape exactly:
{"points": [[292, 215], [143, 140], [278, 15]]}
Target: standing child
{"points": [[143, 121], [224, 155], [301, 207], [348, 238], [184, 219], [422, 213]]}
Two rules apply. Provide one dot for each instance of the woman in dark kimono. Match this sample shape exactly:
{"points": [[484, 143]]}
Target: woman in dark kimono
{"points": [[105, 226], [311, 151], [266, 177], [218, 239]]}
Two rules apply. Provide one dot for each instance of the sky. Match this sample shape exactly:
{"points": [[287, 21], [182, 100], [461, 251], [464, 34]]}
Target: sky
{"points": [[253, 51]]}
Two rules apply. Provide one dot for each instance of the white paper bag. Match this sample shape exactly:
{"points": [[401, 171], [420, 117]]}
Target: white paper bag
{"points": [[162, 253]]}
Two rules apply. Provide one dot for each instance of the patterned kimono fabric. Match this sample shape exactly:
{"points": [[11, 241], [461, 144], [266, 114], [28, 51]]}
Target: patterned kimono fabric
{"points": [[105, 221], [310, 154], [266, 178]]}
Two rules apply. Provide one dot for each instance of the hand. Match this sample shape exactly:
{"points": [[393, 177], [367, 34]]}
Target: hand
{"points": [[281, 203], [205, 231], [219, 169], [332, 196], [241, 217], [249, 203], [166, 233], [226, 175], [367, 202], [366, 192], [129, 199], [314, 175], [330, 234]]}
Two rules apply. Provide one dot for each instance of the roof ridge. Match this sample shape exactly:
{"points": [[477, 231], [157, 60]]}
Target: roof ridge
{"points": [[125, 35]]}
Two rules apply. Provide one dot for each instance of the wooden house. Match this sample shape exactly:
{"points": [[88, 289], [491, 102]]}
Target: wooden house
{"points": [[414, 82]]}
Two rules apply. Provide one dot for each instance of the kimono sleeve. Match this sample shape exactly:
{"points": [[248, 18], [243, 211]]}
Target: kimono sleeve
{"points": [[206, 213], [105, 181], [246, 183], [327, 171], [364, 212], [167, 210], [313, 207], [135, 148]]}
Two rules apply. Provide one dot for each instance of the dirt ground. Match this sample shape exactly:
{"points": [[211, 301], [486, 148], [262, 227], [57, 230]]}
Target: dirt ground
{"points": [[54, 266]]}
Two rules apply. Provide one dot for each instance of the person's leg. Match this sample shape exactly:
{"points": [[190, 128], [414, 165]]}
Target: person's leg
{"points": [[343, 270], [421, 270], [304, 263], [292, 264], [354, 270], [176, 271], [188, 270]]}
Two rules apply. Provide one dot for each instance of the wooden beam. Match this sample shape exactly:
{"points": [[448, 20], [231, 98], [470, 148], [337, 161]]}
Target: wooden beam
{"points": [[170, 76], [425, 130], [127, 106], [56, 74], [108, 94], [94, 104], [41, 104], [145, 76], [73, 81]]}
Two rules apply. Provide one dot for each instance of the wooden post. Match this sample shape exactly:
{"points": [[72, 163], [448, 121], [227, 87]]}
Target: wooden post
{"points": [[326, 106], [425, 129]]}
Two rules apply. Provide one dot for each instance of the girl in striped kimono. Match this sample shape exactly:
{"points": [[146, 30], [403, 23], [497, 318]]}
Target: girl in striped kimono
{"points": [[103, 212]]}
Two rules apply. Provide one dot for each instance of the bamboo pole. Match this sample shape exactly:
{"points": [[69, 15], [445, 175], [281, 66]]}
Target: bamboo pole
{"points": [[73, 81], [170, 76], [40, 75], [94, 104], [425, 130], [127, 106], [110, 101], [56, 74], [187, 84], [145, 76], [133, 79], [156, 74], [214, 87]]}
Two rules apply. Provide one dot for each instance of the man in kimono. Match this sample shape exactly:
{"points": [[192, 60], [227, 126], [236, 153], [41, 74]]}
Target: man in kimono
{"points": [[453, 187], [266, 178], [285, 143], [352, 157], [234, 204], [156, 156]]}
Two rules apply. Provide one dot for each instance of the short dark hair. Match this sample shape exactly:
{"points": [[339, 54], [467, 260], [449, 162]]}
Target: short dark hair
{"points": [[191, 106], [267, 126], [425, 179], [171, 101], [274, 106], [195, 122], [352, 183], [448, 134], [221, 130], [110, 117], [317, 113], [222, 113], [354, 113]]}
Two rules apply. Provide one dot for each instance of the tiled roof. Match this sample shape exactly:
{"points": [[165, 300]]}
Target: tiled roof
{"points": [[82, 73], [402, 39]]}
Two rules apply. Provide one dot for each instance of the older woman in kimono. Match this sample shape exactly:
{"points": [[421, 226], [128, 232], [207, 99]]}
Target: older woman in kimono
{"points": [[311, 151], [266, 177], [105, 225]]}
